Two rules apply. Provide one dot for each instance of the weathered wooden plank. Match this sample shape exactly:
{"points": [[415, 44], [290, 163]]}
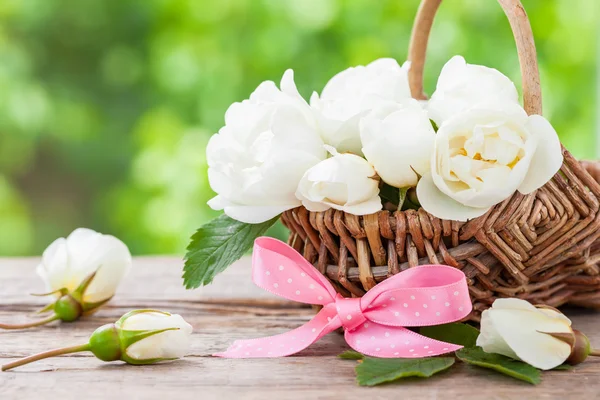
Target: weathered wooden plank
{"points": [[150, 277], [232, 308]]}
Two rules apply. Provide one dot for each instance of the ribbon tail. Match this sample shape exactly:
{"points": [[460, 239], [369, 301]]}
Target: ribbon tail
{"points": [[382, 341], [287, 343]]}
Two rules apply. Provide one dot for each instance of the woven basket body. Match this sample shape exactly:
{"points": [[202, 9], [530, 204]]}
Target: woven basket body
{"points": [[542, 247]]}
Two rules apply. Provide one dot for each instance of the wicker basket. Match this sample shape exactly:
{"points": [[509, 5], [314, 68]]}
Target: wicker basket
{"points": [[540, 247]]}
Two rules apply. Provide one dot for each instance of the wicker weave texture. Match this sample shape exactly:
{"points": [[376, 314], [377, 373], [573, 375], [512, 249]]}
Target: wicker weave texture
{"points": [[542, 247]]}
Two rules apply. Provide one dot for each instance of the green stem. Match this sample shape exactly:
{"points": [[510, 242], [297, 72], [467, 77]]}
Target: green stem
{"points": [[46, 354], [30, 324], [595, 353]]}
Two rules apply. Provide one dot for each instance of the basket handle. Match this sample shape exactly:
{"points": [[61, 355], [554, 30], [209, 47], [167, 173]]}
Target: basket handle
{"points": [[517, 17]]}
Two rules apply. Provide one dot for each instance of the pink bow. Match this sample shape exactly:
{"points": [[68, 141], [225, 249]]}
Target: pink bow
{"points": [[374, 324]]}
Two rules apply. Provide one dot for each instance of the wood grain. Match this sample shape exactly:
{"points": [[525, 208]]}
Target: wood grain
{"points": [[232, 308]]}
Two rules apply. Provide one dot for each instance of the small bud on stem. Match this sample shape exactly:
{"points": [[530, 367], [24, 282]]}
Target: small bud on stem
{"points": [[68, 308], [111, 342], [581, 348]]}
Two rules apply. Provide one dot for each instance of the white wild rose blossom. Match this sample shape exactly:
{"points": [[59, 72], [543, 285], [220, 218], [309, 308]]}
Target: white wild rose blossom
{"points": [[351, 94], [461, 86], [398, 141], [486, 148], [257, 159]]}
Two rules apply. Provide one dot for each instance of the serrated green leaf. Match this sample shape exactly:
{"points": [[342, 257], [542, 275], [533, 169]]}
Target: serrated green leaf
{"points": [[351, 355], [504, 365], [216, 245], [374, 371], [460, 334]]}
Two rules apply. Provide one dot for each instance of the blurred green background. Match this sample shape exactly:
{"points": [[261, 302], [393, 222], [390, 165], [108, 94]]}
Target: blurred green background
{"points": [[106, 105]]}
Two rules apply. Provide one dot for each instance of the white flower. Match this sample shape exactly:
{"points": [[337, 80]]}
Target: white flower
{"points": [[345, 182], [174, 342], [516, 329], [67, 262], [462, 86], [483, 155], [398, 141], [257, 159], [352, 93]]}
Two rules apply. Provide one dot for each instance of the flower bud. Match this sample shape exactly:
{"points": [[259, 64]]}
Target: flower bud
{"points": [[83, 272], [138, 337], [67, 308], [142, 337], [67, 263], [580, 349], [539, 335], [105, 343]]}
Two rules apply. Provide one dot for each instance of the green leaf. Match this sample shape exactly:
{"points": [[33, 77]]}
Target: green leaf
{"points": [[351, 355], [563, 367], [502, 364], [216, 245], [460, 334], [374, 371], [389, 194]]}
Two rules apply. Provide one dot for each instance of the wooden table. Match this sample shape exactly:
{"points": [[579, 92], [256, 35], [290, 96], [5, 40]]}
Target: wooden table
{"points": [[231, 308]]}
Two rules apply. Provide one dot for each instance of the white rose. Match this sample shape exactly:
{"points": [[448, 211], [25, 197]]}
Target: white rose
{"points": [[174, 342], [345, 182], [67, 262], [398, 141], [257, 159], [461, 86], [482, 156], [352, 93], [516, 329]]}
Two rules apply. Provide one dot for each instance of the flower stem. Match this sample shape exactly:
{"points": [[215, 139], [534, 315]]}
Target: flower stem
{"points": [[46, 354], [595, 353], [30, 324]]}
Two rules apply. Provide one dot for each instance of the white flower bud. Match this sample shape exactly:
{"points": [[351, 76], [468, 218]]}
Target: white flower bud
{"points": [[517, 329]]}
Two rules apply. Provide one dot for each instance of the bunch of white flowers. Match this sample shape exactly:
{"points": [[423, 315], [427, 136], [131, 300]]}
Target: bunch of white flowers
{"points": [[277, 152]]}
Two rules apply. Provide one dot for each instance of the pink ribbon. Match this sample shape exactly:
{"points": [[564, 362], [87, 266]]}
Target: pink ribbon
{"points": [[374, 324]]}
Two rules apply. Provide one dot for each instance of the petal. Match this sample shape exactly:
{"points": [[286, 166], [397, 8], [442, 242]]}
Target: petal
{"points": [[112, 260], [288, 85], [54, 268], [89, 252], [81, 242], [368, 207], [547, 158], [169, 344], [522, 332], [315, 206], [257, 214], [398, 140], [217, 203], [442, 206], [490, 340], [513, 304], [461, 86], [343, 135], [554, 314]]}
